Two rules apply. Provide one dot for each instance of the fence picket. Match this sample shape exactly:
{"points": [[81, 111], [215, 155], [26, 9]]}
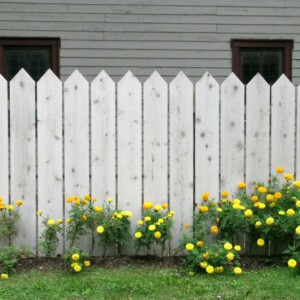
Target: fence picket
{"points": [[232, 133], [257, 130], [298, 135], [23, 155], [50, 160], [207, 137], [129, 151], [283, 125], [181, 154]]}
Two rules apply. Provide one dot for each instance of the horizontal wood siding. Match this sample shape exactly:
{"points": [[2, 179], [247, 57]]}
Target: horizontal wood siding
{"points": [[147, 35]]}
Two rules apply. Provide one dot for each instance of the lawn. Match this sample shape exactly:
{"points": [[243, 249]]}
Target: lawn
{"points": [[146, 282]]}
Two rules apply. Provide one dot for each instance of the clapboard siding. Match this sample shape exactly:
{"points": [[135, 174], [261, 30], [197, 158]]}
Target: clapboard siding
{"points": [[192, 36]]}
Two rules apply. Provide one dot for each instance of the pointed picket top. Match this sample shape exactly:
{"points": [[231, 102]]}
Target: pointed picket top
{"points": [[49, 76], [233, 82], [2, 80], [207, 80], [74, 79], [102, 77], [20, 77], [258, 80], [281, 82], [127, 78], [155, 78], [181, 78]]}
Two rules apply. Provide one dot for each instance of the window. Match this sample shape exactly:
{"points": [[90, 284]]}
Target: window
{"points": [[270, 58], [36, 56]]}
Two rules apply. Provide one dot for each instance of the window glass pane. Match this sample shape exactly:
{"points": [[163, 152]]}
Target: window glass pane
{"points": [[250, 64], [271, 65], [39, 61], [16, 59]]}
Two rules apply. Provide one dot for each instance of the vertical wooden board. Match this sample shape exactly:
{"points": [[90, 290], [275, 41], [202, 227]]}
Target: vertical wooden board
{"points": [[76, 148], [232, 133], [298, 136], [23, 155], [181, 155], [103, 138], [207, 92], [4, 174], [156, 139], [283, 125], [257, 130], [49, 141], [129, 150]]}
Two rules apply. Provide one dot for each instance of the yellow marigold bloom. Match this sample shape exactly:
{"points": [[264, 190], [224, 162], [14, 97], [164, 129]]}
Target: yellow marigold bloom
{"points": [[201, 243], [1, 199], [148, 205], [203, 264], [277, 195], [236, 206], [75, 197], [172, 212], [214, 229], [152, 227], [225, 194], [70, 199], [77, 268], [260, 242], [69, 220], [297, 184], [290, 212], [189, 246], [87, 197], [262, 206], [292, 263], [157, 207], [100, 229], [59, 221], [126, 213], [87, 263], [165, 205], [157, 234], [119, 216], [138, 235], [83, 217], [203, 208], [236, 201], [270, 221], [237, 270], [160, 220], [85, 202], [19, 202], [39, 212], [205, 196], [270, 197], [297, 230], [258, 224], [248, 213], [288, 176], [4, 276], [210, 269], [205, 255], [75, 256], [51, 222], [230, 256], [281, 213], [94, 199], [298, 203], [254, 198], [219, 269], [227, 246], [262, 189], [219, 209], [140, 222], [237, 248], [2, 205], [186, 226], [98, 208], [241, 185], [147, 218], [279, 170], [73, 264], [10, 207], [77, 202], [272, 204], [110, 200]]}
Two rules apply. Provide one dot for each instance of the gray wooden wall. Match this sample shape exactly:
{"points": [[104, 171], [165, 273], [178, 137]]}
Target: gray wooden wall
{"points": [[146, 35]]}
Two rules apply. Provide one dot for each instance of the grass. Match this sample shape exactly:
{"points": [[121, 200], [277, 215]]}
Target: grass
{"points": [[150, 283]]}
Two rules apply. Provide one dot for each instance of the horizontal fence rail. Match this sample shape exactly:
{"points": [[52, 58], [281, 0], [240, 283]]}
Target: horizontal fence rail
{"points": [[138, 142]]}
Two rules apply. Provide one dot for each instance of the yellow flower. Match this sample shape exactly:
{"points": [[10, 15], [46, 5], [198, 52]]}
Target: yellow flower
{"points": [[2, 205], [297, 230], [254, 198], [210, 269], [98, 208], [241, 185], [236, 206], [165, 206], [140, 222], [225, 194], [297, 184], [126, 213], [260, 242], [262, 206], [203, 208], [77, 268], [152, 227], [262, 190], [201, 243], [205, 255], [73, 264], [270, 197], [189, 246], [69, 220], [157, 235], [94, 199], [237, 248], [70, 199], [258, 223], [51, 222], [59, 221], [110, 200], [148, 205], [186, 226], [77, 202], [119, 216], [39, 212], [4, 276], [157, 207], [205, 196], [87, 197], [100, 229], [281, 213], [203, 264], [277, 195], [279, 170], [230, 256], [191, 273], [219, 269], [19, 202], [83, 217], [219, 209], [138, 235], [248, 213], [87, 263], [10, 207], [214, 229], [270, 221], [160, 220], [298, 203], [292, 263], [237, 270], [75, 256], [147, 218], [227, 246], [290, 212], [172, 212], [236, 201], [288, 176]]}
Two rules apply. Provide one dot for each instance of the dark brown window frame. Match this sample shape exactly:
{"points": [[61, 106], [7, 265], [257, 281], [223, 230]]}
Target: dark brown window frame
{"points": [[54, 43], [285, 45]]}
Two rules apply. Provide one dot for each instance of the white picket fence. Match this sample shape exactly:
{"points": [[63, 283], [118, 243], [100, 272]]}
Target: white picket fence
{"points": [[139, 142]]}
